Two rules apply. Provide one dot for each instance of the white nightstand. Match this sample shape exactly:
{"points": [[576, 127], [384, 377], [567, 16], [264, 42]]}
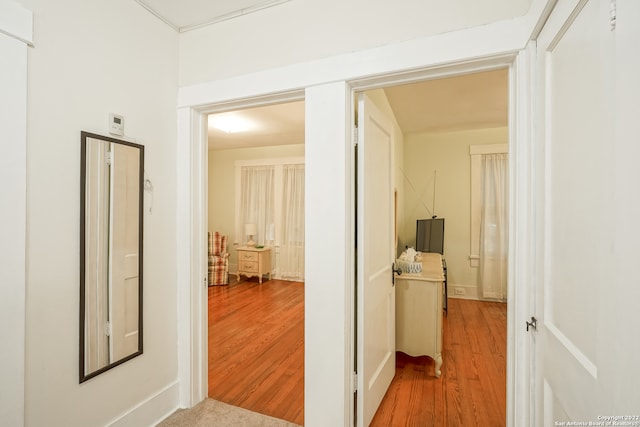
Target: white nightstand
{"points": [[254, 262]]}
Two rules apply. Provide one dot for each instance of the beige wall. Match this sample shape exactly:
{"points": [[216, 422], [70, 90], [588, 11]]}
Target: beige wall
{"points": [[222, 185], [447, 154]]}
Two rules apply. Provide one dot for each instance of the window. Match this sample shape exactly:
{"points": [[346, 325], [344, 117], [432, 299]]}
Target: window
{"points": [[270, 194], [489, 218]]}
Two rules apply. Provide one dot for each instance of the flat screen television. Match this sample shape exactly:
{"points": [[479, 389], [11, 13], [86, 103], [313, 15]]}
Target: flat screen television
{"points": [[430, 235]]}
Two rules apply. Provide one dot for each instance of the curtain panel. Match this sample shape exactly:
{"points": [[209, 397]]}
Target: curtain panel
{"points": [[494, 226], [272, 197], [257, 203], [292, 240]]}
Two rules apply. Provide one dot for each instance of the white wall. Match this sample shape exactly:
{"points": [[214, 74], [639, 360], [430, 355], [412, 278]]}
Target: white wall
{"points": [[15, 26], [222, 190], [447, 154], [304, 30], [90, 59]]}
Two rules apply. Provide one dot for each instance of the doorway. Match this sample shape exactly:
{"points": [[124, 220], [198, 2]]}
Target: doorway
{"points": [[256, 318], [440, 120], [329, 316]]}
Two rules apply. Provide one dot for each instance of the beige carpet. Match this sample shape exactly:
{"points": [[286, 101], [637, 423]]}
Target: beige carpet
{"points": [[211, 413]]}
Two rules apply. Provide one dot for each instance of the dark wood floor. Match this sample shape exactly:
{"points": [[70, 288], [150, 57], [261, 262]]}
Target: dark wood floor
{"points": [[256, 360]]}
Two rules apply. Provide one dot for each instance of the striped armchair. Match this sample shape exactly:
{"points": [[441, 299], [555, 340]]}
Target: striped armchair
{"points": [[218, 259]]}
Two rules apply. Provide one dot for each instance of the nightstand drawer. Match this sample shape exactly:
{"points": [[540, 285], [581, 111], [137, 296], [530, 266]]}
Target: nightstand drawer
{"points": [[249, 267], [248, 256], [254, 262]]}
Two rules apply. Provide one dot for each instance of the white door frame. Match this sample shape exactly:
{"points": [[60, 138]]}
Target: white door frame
{"points": [[16, 35], [521, 243], [333, 81]]}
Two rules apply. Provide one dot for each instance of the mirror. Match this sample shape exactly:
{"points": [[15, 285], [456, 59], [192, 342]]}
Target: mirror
{"points": [[111, 204]]}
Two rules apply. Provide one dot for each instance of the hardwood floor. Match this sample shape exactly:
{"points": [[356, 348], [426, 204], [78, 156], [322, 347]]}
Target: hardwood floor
{"points": [[256, 347], [472, 388], [256, 360]]}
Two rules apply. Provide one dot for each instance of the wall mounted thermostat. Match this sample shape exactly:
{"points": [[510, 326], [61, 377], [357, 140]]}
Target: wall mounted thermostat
{"points": [[116, 124]]}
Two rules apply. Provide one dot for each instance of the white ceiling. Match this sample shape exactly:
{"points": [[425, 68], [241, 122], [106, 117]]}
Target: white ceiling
{"points": [[185, 15], [471, 101]]}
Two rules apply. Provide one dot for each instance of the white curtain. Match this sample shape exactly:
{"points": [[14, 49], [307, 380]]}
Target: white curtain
{"points": [[257, 203], [494, 227], [292, 239]]}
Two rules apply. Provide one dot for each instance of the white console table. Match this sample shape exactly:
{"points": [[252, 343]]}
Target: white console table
{"points": [[419, 305]]}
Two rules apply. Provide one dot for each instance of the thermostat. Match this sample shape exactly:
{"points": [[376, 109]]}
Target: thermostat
{"points": [[116, 124]]}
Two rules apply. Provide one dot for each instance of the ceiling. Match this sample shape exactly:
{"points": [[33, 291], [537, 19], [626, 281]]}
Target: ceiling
{"points": [[185, 15], [279, 124], [470, 101]]}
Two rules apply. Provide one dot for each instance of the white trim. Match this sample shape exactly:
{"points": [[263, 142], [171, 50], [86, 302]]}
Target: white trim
{"points": [[456, 47], [191, 243], [235, 14], [16, 22], [329, 291], [274, 161], [475, 150], [225, 17], [15, 35], [164, 402], [572, 349], [470, 291], [521, 289]]}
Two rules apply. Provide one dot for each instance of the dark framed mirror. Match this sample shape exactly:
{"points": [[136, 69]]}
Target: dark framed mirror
{"points": [[111, 211]]}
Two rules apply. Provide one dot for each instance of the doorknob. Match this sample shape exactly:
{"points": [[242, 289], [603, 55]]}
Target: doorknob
{"points": [[393, 276], [533, 324]]}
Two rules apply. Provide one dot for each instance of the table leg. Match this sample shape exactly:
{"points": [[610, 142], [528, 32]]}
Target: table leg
{"points": [[438, 365]]}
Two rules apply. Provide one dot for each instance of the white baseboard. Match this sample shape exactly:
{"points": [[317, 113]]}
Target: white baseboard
{"points": [[152, 410], [464, 291]]}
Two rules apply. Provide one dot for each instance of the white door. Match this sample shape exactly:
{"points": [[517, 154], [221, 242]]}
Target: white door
{"points": [[376, 357], [125, 193], [574, 118]]}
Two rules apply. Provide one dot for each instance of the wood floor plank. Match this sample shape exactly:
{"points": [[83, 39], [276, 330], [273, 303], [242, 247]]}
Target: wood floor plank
{"points": [[256, 347], [256, 360], [472, 388]]}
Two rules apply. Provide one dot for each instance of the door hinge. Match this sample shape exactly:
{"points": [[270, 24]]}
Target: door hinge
{"points": [[533, 324], [109, 158], [355, 136], [355, 382], [613, 14], [107, 328]]}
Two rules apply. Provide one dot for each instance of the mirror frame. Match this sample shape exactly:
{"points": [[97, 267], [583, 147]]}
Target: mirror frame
{"points": [[84, 376]]}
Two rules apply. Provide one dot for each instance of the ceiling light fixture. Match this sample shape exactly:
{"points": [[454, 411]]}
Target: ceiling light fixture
{"points": [[230, 123]]}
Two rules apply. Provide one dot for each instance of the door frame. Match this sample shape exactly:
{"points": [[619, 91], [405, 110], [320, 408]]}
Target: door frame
{"points": [[520, 301], [335, 80]]}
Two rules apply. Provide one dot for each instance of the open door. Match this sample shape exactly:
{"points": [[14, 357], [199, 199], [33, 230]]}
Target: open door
{"points": [[376, 357], [574, 57]]}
